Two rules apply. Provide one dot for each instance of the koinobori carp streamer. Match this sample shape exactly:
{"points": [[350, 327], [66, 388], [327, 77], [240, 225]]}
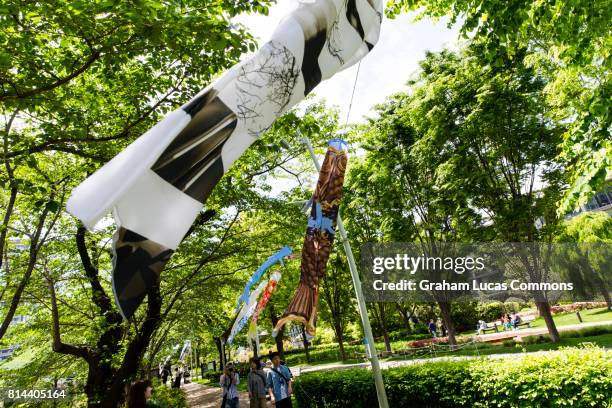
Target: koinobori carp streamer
{"points": [[319, 238], [157, 186]]}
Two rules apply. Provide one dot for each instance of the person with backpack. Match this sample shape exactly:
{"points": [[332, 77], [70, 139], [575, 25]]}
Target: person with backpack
{"points": [[279, 383], [256, 385], [229, 381]]}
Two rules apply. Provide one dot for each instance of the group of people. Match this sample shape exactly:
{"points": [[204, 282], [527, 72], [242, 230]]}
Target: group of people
{"points": [[511, 322], [508, 322], [165, 372], [436, 328], [274, 382]]}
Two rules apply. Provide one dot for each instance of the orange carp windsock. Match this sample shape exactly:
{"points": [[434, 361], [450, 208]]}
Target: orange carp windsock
{"points": [[319, 238]]}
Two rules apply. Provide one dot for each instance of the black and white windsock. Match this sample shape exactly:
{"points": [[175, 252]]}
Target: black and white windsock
{"points": [[157, 186]]}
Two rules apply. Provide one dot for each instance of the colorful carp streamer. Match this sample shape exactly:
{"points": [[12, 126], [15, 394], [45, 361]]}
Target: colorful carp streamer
{"points": [[157, 186], [277, 257], [186, 349], [319, 237], [246, 311], [263, 301]]}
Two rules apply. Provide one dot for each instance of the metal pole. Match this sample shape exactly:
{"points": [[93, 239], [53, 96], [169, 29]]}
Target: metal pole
{"points": [[367, 329]]}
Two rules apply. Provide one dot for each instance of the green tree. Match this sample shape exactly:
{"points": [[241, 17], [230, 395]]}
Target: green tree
{"points": [[591, 233], [338, 299], [570, 42], [458, 159]]}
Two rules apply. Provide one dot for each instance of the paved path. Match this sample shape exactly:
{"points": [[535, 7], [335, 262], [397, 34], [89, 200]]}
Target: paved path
{"points": [[204, 396], [502, 335]]}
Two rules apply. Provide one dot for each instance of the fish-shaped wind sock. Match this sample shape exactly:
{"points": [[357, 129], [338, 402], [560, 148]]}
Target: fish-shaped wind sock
{"points": [[319, 238], [277, 257], [157, 186], [186, 350], [263, 301]]}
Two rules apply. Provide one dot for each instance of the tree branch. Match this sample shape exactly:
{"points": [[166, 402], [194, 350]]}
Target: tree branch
{"points": [[58, 346]]}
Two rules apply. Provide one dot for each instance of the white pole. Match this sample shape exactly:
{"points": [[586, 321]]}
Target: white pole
{"points": [[373, 355]]}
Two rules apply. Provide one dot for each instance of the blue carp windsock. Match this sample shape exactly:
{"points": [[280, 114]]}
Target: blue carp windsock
{"points": [[319, 238], [156, 187], [246, 312], [277, 257]]}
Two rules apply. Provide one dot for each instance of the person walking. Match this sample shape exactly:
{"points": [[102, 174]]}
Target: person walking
{"points": [[256, 385], [176, 382], [165, 373], [279, 383], [432, 328], [229, 381]]}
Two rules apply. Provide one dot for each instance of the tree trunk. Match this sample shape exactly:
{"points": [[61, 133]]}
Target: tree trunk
{"points": [[254, 343], [340, 338], [306, 345], [281, 334], [606, 295], [445, 311], [383, 326], [404, 314], [544, 310], [218, 341], [604, 290]]}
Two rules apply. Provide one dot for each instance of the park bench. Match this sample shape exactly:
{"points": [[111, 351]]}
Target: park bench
{"points": [[493, 328], [526, 321]]}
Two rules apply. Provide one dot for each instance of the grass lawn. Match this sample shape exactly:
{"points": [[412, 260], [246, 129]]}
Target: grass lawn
{"points": [[588, 316], [604, 340], [592, 315]]}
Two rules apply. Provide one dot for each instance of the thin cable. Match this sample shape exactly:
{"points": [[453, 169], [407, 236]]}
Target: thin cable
{"points": [[348, 114]]}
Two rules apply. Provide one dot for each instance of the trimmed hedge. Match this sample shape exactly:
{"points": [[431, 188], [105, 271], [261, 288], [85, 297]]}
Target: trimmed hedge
{"points": [[578, 377]]}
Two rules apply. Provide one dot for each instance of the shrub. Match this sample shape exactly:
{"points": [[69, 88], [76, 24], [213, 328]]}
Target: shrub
{"points": [[421, 328], [166, 397], [580, 377], [536, 339], [426, 342], [212, 376], [508, 343], [576, 307], [587, 331], [465, 315], [490, 311]]}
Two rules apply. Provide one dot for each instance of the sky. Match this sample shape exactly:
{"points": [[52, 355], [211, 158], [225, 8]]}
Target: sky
{"points": [[402, 44]]}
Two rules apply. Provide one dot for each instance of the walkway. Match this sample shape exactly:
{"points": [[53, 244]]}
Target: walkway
{"points": [[204, 396], [502, 335]]}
